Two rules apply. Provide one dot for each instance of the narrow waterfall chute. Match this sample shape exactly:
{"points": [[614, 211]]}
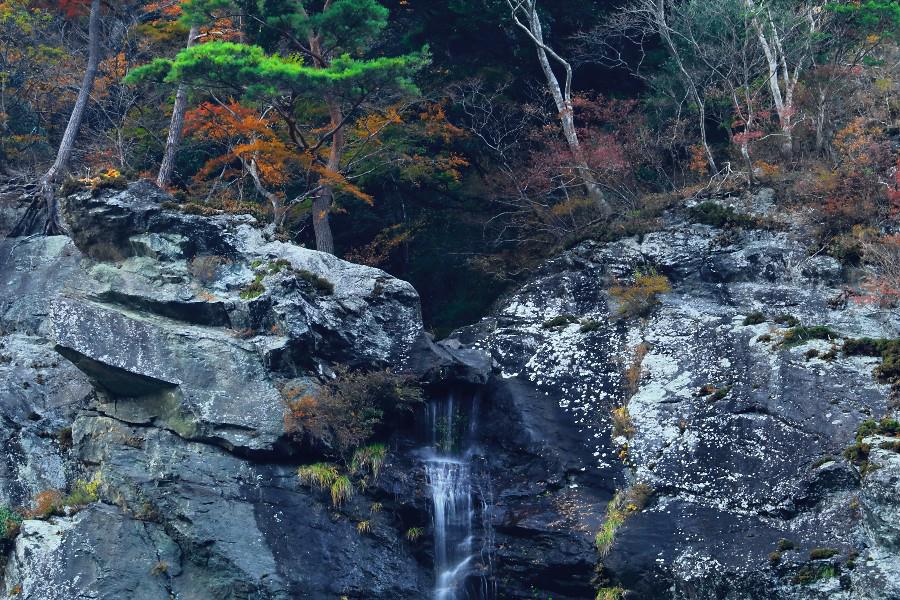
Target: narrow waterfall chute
{"points": [[462, 525]]}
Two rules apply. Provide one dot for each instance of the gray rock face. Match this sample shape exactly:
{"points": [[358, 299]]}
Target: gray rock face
{"points": [[734, 471], [149, 353]]}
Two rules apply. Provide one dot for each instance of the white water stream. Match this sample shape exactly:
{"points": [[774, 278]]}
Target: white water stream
{"points": [[461, 540]]}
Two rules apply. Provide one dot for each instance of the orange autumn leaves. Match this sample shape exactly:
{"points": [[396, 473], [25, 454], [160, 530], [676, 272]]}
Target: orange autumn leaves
{"points": [[245, 137], [248, 136]]}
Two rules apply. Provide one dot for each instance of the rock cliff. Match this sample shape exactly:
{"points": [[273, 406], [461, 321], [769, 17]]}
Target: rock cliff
{"points": [[149, 352]]}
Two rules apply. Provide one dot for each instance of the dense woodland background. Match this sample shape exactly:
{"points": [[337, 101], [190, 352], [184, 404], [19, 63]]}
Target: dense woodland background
{"points": [[456, 143]]}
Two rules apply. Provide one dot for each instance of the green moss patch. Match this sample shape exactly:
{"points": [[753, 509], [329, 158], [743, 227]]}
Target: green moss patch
{"points": [[254, 290], [800, 335], [888, 350], [755, 318], [320, 284], [560, 321], [716, 215]]}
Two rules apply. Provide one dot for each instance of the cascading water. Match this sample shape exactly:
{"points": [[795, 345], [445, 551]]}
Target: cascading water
{"points": [[461, 573]]}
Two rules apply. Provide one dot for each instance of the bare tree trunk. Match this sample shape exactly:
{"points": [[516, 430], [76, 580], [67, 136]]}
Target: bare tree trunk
{"points": [[562, 97], [662, 26], [54, 221], [173, 142], [782, 80]]}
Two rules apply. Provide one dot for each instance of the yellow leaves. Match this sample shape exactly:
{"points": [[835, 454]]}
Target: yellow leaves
{"points": [[372, 124], [638, 298], [437, 125], [222, 123], [570, 206], [272, 158], [855, 140], [333, 179]]}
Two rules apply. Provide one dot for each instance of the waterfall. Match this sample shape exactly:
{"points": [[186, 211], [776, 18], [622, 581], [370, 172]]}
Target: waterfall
{"points": [[461, 572]]}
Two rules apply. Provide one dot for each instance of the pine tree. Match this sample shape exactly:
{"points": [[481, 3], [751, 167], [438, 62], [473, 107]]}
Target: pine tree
{"points": [[306, 53]]}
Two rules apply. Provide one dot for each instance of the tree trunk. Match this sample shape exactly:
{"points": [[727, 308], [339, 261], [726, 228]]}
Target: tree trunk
{"points": [[323, 200], [321, 208], [54, 223], [662, 27], [173, 142], [562, 97]]}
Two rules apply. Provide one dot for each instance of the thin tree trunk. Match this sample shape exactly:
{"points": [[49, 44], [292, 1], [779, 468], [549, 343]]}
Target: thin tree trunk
{"points": [[173, 142], [322, 202], [562, 97], [321, 208], [662, 26], [54, 223]]}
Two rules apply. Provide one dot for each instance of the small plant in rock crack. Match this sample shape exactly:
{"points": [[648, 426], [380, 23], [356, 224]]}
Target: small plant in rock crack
{"points": [[822, 553], [622, 423], [800, 335], [327, 476], [559, 321], [887, 349], [610, 593], [413, 534], [623, 504], [754, 318], [254, 289], [369, 458], [639, 297], [9, 523]]}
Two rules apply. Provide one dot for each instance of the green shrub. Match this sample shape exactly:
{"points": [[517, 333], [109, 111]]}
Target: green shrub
{"points": [[812, 573], [341, 490], [324, 476], [559, 321], [720, 393], [610, 593], [716, 215], [755, 318], [589, 325], [255, 289], [414, 533], [369, 458], [84, 492], [320, 284], [9, 523], [787, 320], [822, 553], [888, 350], [280, 265], [800, 334], [785, 544], [774, 557], [858, 453], [891, 446], [319, 475]]}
